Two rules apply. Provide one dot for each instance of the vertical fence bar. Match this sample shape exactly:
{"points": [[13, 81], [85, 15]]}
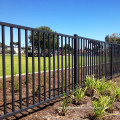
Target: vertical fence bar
{"points": [[65, 65], [78, 62], [12, 68], [39, 79], [33, 68], [105, 59], [62, 62], [92, 57], [111, 61], [53, 65], [88, 57], [75, 60], [102, 59], [58, 62], [4, 73], [20, 82], [72, 64], [49, 66], [81, 61], [96, 58], [119, 56], [69, 61], [99, 59], [44, 66], [27, 82]]}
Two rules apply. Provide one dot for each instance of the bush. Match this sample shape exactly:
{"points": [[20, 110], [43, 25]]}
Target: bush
{"points": [[100, 106], [116, 92], [64, 106], [90, 82], [78, 95], [16, 86], [105, 88]]}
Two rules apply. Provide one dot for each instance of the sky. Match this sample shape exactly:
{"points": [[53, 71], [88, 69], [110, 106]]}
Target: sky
{"points": [[88, 18]]}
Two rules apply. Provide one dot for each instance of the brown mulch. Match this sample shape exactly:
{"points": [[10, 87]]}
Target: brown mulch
{"points": [[48, 111]]}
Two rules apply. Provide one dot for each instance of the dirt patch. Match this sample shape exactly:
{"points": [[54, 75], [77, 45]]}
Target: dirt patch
{"points": [[48, 111]]}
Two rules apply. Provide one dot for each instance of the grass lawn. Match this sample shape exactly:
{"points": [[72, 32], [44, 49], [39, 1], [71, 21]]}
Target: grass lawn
{"points": [[23, 63]]}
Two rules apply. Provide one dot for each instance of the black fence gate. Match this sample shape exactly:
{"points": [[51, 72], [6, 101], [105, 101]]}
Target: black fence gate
{"points": [[39, 66]]}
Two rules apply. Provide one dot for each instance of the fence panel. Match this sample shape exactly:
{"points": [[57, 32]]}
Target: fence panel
{"points": [[38, 66]]}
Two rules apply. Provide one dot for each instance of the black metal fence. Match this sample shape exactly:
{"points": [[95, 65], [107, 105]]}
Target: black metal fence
{"points": [[54, 65]]}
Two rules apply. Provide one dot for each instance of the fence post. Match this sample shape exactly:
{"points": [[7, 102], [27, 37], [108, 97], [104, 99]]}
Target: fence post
{"points": [[111, 61], [75, 60]]}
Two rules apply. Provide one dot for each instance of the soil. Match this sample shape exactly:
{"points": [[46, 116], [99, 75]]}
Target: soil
{"points": [[48, 111]]}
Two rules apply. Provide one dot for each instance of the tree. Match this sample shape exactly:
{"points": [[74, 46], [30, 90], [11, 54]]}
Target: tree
{"points": [[45, 28], [15, 43], [1, 45], [115, 38], [67, 48]]}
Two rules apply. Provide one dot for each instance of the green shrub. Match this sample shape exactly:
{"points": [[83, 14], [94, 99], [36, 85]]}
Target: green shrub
{"points": [[78, 95], [37, 90], [63, 82], [16, 86], [91, 85], [90, 82], [111, 103], [29, 76], [104, 88], [100, 106], [64, 105]]}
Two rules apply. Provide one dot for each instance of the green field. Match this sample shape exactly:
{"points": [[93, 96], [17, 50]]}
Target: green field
{"points": [[23, 63]]}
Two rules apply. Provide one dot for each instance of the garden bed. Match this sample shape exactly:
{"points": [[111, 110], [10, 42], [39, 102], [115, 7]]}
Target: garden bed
{"points": [[84, 111]]}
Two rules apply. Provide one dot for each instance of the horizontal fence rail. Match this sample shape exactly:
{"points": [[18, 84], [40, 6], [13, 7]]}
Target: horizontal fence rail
{"points": [[38, 66]]}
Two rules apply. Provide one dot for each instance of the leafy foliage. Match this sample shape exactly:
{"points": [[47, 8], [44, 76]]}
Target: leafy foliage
{"points": [[90, 82], [16, 86], [116, 91], [78, 95], [104, 88], [101, 105], [115, 38], [44, 28], [64, 105]]}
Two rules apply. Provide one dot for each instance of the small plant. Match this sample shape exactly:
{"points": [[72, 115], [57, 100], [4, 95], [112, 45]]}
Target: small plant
{"points": [[111, 103], [63, 83], [1, 86], [90, 82], [78, 95], [101, 106], [15, 74], [28, 79], [42, 83], [116, 92], [63, 107], [37, 91], [16, 86], [104, 88]]}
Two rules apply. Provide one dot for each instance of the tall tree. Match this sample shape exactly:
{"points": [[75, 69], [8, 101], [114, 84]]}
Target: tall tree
{"points": [[115, 38], [45, 28], [1, 45], [67, 47]]}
